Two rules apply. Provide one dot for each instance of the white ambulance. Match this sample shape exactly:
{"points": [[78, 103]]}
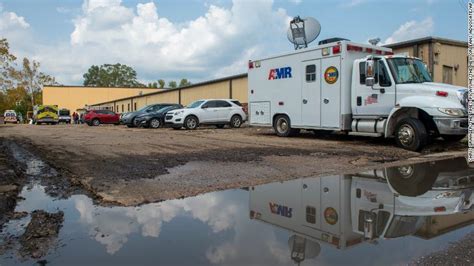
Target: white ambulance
{"points": [[357, 88], [346, 210]]}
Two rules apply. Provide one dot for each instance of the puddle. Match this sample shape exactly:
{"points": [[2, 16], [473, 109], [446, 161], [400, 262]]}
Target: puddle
{"points": [[406, 212]]}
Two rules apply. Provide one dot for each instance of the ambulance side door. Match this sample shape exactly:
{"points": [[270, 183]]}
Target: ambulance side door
{"points": [[331, 92], [311, 93]]}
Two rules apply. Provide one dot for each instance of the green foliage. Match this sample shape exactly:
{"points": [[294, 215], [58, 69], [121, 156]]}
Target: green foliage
{"points": [[172, 84], [109, 75], [7, 61], [161, 83], [20, 87], [152, 85], [184, 83]]}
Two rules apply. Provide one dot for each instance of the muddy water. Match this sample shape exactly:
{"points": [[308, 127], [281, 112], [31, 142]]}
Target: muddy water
{"points": [[312, 220]]}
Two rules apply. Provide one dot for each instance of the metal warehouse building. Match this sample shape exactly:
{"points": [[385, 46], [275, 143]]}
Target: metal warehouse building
{"points": [[77, 97], [229, 87], [446, 60]]}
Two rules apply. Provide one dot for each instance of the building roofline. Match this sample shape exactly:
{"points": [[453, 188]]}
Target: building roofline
{"points": [[238, 76], [427, 39], [78, 86]]}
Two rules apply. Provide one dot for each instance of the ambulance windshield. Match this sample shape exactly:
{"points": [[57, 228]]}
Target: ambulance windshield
{"points": [[409, 70], [404, 225]]}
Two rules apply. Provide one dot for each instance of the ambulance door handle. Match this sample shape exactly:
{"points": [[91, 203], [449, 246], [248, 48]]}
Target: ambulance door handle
{"points": [[326, 100], [305, 101]]}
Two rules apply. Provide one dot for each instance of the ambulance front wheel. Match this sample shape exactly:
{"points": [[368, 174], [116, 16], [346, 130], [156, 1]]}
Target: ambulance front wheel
{"points": [[411, 134], [282, 126]]}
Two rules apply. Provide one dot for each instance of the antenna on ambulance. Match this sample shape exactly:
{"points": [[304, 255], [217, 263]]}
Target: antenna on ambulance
{"points": [[374, 41], [303, 31]]}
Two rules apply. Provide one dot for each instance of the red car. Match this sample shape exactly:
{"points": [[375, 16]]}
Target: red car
{"points": [[97, 117]]}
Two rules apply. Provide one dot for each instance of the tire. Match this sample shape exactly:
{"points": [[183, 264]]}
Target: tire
{"points": [[453, 138], [95, 122], [154, 123], [411, 134], [191, 122], [220, 126], [236, 121], [134, 123], [282, 126], [412, 180]]}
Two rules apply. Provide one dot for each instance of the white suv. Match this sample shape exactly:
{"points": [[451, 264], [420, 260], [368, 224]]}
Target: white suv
{"points": [[219, 112]]}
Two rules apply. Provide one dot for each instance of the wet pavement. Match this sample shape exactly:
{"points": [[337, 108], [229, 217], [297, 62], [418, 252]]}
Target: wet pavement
{"points": [[387, 216]]}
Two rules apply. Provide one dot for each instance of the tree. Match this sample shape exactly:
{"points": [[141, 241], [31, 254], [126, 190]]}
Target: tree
{"points": [[184, 83], [152, 85], [30, 77], [109, 75], [172, 84], [20, 87], [7, 62], [161, 83]]}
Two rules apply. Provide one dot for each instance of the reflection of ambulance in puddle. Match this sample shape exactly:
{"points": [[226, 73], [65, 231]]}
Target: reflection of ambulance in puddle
{"points": [[345, 210]]}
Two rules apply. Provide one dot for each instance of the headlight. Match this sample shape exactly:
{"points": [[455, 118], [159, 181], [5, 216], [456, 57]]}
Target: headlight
{"points": [[453, 111], [179, 112]]}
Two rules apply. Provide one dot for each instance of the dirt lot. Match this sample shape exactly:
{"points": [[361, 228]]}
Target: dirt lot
{"points": [[125, 166]]}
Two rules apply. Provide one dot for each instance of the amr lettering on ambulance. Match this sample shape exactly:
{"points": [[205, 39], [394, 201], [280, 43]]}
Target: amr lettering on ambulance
{"points": [[279, 73]]}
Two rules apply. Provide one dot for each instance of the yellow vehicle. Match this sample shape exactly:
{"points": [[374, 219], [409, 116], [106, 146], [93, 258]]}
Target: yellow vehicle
{"points": [[45, 114]]}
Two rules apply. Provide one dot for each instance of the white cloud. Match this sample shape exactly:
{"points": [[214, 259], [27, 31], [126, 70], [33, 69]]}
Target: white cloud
{"points": [[411, 30], [11, 21], [114, 225], [296, 2], [351, 3], [17, 31], [217, 43]]}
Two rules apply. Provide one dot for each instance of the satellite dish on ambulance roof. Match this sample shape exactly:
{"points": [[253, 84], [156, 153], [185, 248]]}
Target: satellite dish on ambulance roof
{"points": [[303, 31]]}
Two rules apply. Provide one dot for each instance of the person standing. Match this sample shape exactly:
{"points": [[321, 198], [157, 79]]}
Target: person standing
{"points": [[75, 117]]}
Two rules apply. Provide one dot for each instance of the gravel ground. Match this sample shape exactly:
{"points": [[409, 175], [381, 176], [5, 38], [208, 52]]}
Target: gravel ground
{"points": [[459, 253], [130, 166]]}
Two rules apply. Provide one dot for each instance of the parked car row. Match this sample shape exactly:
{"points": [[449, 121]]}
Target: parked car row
{"points": [[218, 112]]}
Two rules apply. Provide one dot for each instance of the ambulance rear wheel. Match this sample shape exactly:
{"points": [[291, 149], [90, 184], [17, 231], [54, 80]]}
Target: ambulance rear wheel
{"points": [[411, 134], [282, 126]]}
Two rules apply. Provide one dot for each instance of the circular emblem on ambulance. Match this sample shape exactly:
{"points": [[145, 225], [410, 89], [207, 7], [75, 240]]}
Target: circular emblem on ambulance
{"points": [[330, 215], [331, 74]]}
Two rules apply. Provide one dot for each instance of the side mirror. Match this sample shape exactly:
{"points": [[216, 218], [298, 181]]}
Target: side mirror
{"points": [[204, 106], [369, 82], [369, 72], [369, 225]]}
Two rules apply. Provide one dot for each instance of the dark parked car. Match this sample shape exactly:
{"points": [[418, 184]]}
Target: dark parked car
{"points": [[129, 118], [97, 117], [156, 119]]}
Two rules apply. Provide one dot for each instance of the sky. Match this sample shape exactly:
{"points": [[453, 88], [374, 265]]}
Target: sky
{"points": [[203, 39]]}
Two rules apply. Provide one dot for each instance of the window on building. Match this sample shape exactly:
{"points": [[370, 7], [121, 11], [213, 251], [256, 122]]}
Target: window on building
{"points": [[310, 214], [134, 106], [447, 74], [128, 107], [310, 73], [122, 108]]}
